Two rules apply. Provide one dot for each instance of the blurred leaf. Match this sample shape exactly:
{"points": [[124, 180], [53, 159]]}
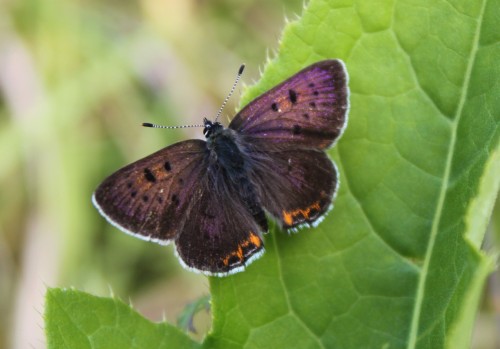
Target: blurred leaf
{"points": [[78, 320], [495, 224], [398, 261]]}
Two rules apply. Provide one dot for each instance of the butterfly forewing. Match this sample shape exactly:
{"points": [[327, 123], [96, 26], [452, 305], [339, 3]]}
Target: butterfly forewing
{"points": [[148, 198], [307, 110]]}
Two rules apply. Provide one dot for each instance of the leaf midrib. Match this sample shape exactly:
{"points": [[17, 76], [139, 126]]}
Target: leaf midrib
{"points": [[412, 340]]}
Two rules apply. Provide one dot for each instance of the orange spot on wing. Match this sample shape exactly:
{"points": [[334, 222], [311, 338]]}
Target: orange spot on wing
{"points": [[287, 217], [254, 239]]}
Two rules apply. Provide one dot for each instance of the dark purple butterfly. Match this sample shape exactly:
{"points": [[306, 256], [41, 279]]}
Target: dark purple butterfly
{"points": [[210, 197]]}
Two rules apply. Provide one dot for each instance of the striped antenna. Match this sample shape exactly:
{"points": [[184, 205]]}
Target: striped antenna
{"points": [[147, 124], [240, 71]]}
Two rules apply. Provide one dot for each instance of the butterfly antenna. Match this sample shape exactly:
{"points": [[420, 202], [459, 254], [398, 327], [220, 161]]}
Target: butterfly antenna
{"points": [[240, 71], [147, 124]]}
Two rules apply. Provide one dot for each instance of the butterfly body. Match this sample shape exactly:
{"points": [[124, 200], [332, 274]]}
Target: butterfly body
{"points": [[211, 197]]}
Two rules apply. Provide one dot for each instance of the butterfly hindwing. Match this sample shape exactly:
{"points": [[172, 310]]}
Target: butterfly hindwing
{"points": [[222, 235], [148, 197], [307, 110], [295, 186]]}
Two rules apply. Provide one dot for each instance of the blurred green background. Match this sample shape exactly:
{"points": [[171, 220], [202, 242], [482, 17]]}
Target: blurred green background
{"points": [[77, 78]]}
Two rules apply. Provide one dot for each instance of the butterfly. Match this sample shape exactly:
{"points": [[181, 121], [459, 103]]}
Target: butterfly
{"points": [[210, 198]]}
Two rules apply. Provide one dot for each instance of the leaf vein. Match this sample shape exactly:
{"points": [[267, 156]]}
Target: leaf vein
{"points": [[287, 297], [414, 325]]}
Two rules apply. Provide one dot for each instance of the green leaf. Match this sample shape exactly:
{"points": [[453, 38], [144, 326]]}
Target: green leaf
{"points": [[75, 319], [397, 263]]}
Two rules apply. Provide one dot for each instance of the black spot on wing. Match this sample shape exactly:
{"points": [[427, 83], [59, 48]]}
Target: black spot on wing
{"points": [[293, 96], [296, 129], [150, 177], [167, 166], [175, 200], [274, 107]]}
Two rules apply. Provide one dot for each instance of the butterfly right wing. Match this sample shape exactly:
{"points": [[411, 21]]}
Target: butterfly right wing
{"points": [[149, 197], [308, 110], [284, 133], [296, 186]]}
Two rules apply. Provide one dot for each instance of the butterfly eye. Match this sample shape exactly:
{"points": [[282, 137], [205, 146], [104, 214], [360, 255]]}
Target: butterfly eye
{"points": [[207, 130]]}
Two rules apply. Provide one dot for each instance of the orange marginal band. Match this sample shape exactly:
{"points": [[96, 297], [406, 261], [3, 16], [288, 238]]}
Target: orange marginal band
{"points": [[289, 216], [253, 239]]}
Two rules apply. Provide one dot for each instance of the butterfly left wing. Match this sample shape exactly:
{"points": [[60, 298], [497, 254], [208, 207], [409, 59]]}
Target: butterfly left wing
{"points": [[148, 197], [221, 236], [307, 110]]}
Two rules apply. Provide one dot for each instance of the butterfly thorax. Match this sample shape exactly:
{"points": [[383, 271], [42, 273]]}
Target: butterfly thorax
{"points": [[225, 151]]}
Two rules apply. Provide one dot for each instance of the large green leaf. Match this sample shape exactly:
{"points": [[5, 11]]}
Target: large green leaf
{"points": [[397, 263]]}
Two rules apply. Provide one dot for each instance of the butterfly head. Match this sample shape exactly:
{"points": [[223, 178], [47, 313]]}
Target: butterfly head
{"points": [[211, 127]]}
